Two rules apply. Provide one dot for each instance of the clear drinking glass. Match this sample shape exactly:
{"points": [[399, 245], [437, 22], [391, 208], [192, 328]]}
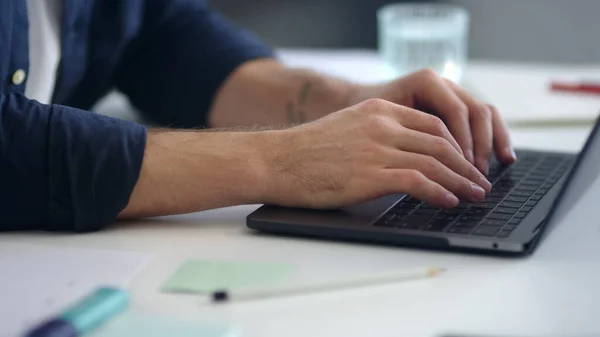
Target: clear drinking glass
{"points": [[417, 36]]}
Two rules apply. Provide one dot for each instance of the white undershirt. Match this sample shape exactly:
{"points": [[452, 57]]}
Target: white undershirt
{"points": [[44, 48]]}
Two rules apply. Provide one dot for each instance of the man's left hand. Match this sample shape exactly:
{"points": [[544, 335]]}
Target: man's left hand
{"points": [[477, 127]]}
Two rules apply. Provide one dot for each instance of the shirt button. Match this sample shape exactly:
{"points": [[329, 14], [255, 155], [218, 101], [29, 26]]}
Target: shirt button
{"points": [[18, 77]]}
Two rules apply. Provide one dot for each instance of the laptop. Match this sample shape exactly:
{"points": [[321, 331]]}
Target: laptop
{"points": [[512, 220]]}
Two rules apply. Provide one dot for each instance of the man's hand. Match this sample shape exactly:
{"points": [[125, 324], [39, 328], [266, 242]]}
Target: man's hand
{"points": [[353, 155], [477, 127], [267, 93], [366, 151]]}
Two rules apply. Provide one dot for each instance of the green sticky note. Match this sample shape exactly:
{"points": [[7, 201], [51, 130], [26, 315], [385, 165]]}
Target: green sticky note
{"points": [[206, 276], [131, 324]]}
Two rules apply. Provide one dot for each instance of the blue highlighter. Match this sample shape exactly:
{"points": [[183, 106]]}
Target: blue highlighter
{"points": [[84, 316]]}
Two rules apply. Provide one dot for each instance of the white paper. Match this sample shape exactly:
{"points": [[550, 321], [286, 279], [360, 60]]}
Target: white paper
{"points": [[520, 91], [37, 282]]}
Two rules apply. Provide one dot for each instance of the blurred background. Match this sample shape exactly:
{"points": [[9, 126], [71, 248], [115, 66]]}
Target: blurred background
{"points": [[553, 31]]}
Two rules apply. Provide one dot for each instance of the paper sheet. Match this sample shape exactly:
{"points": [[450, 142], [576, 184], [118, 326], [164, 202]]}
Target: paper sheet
{"points": [[522, 94], [520, 91], [205, 276], [39, 281], [133, 325]]}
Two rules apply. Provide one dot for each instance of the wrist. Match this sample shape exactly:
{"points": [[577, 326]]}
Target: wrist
{"points": [[271, 186], [249, 173], [324, 94]]}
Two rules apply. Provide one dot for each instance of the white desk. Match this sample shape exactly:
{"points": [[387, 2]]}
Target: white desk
{"points": [[554, 292]]}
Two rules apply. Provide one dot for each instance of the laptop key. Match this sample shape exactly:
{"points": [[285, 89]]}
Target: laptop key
{"points": [[384, 223], [400, 212], [520, 215], [522, 193], [425, 211], [485, 205], [514, 221], [436, 226], [473, 218], [453, 211], [499, 193], [499, 216], [411, 202], [531, 203], [501, 188], [466, 224], [510, 204], [509, 227], [506, 183], [505, 210], [526, 209], [477, 211], [537, 197], [528, 187], [414, 221], [486, 231], [447, 217], [492, 200], [493, 223], [514, 198]]}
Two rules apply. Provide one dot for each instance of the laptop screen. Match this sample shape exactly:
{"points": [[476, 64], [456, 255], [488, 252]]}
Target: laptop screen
{"points": [[582, 182]]}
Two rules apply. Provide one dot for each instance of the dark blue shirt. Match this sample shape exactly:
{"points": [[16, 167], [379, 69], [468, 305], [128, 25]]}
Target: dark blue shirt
{"points": [[65, 168]]}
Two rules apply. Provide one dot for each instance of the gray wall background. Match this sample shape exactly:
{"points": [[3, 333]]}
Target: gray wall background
{"points": [[513, 30]]}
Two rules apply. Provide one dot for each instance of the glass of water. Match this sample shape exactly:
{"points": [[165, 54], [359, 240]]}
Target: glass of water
{"points": [[417, 36]]}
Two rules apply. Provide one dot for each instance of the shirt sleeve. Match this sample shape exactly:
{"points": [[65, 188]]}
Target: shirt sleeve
{"points": [[64, 169], [184, 53]]}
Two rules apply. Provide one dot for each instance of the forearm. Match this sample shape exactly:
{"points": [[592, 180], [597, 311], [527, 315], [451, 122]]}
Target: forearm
{"points": [[187, 171], [265, 92]]}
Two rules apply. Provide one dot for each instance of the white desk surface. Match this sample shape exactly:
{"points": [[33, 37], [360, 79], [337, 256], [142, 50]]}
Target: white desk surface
{"points": [[554, 292]]}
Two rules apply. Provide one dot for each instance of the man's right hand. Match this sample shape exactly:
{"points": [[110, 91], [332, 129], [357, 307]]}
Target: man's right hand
{"points": [[354, 155], [366, 151]]}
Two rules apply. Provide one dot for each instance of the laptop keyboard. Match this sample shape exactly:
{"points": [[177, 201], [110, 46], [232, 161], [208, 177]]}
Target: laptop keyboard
{"points": [[516, 190]]}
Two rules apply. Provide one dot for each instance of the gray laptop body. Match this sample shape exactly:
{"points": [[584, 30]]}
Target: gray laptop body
{"points": [[513, 219]]}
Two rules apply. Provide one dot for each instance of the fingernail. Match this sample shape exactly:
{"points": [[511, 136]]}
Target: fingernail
{"points": [[487, 186], [477, 192], [452, 200], [511, 153]]}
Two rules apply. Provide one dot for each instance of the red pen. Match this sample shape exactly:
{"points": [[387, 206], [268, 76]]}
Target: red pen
{"points": [[584, 87]]}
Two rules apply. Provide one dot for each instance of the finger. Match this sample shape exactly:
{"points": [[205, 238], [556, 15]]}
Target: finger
{"points": [[480, 118], [436, 171], [426, 123], [502, 143], [416, 185], [440, 149], [434, 94]]}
